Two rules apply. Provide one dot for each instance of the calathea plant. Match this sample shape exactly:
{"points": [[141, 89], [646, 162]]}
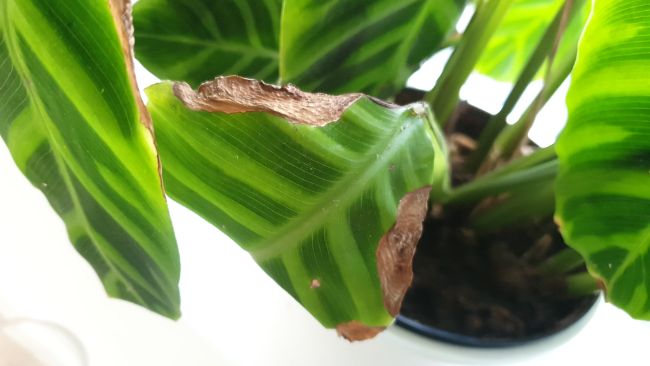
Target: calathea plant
{"points": [[325, 184]]}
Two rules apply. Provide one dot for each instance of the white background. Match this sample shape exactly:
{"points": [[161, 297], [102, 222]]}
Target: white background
{"points": [[233, 313]]}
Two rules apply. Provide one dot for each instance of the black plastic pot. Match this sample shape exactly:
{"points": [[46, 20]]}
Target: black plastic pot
{"points": [[470, 341], [470, 121]]}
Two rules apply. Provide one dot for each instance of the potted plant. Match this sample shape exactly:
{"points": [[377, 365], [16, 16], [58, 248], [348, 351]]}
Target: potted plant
{"points": [[328, 183]]}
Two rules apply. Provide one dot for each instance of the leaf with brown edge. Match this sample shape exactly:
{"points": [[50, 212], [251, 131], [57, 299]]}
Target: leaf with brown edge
{"points": [[121, 11], [234, 94], [308, 184], [397, 249], [73, 120], [394, 261]]}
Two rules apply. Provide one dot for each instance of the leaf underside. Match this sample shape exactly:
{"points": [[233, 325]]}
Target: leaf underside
{"points": [[69, 116], [196, 40], [369, 46], [603, 191], [309, 203]]}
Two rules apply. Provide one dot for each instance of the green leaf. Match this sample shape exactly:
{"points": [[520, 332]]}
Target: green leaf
{"points": [[369, 46], [70, 116], [523, 26], [603, 191], [196, 40], [309, 199]]}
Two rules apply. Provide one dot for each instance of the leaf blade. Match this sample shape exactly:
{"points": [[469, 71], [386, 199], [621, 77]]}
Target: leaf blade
{"points": [[310, 203], [362, 46], [607, 141], [77, 132], [514, 41], [197, 40]]}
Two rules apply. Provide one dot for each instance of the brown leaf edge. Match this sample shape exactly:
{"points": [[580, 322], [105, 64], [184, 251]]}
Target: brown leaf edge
{"points": [[121, 11], [395, 261], [396, 249], [236, 94], [122, 15]]}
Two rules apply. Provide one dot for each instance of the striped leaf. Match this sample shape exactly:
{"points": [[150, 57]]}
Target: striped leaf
{"points": [[309, 184], [372, 46], [195, 40], [603, 192], [70, 116]]}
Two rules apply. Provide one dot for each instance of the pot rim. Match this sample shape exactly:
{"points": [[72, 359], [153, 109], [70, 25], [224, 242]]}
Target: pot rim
{"points": [[490, 355], [478, 342]]}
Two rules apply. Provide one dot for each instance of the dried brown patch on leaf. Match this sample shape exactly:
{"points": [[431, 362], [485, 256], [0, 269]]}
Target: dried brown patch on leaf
{"points": [[397, 248], [235, 94], [394, 261], [357, 331]]}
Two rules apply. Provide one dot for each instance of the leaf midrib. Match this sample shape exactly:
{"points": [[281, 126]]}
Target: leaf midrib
{"points": [[344, 192]]}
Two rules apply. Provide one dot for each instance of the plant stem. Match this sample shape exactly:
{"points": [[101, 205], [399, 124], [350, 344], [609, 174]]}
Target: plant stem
{"points": [[498, 121], [445, 95], [441, 167], [534, 200], [513, 136], [562, 262], [493, 184], [581, 284], [537, 157], [452, 41]]}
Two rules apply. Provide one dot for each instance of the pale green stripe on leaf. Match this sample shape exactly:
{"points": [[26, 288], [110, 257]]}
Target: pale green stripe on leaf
{"points": [[196, 40], [341, 182], [603, 190], [71, 122], [365, 45], [523, 26]]}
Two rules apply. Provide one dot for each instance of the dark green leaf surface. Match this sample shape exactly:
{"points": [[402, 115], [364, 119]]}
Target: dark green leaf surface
{"points": [[68, 114], [196, 40], [309, 203], [603, 191], [370, 46]]}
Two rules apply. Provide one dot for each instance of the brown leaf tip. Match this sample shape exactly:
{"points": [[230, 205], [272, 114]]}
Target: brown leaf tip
{"points": [[235, 94], [397, 248], [356, 331]]}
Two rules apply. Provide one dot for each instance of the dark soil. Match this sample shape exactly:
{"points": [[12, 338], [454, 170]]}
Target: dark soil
{"points": [[487, 285]]}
